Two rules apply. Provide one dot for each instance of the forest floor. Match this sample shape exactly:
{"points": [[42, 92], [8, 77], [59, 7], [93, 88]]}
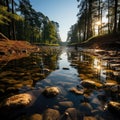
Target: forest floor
{"points": [[13, 49], [107, 42]]}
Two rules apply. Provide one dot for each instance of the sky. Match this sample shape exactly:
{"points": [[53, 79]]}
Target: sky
{"points": [[62, 11]]}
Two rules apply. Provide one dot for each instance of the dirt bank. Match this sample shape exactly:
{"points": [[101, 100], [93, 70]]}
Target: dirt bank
{"points": [[109, 41], [13, 49]]}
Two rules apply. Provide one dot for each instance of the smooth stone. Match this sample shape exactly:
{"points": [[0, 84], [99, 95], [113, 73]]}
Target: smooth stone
{"points": [[114, 107], [91, 84], [51, 91], [66, 103], [65, 68], [72, 114], [86, 108], [35, 117], [76, 91], [18, 100], [110, 84], [51, 114], [89, 118], [46, 70], [115, 88]]}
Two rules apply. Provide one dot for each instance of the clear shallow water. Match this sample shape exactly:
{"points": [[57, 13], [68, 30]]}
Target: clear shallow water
{"points": [[62, 76], [65, 79]]}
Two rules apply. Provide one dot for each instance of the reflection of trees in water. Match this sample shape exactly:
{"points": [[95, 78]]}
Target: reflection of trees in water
{"points": [[50, 58], [91, 66], [27, 71]]}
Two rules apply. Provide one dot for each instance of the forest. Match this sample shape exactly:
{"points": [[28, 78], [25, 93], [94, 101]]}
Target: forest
{"points": [[19, 21], [95, 18]]}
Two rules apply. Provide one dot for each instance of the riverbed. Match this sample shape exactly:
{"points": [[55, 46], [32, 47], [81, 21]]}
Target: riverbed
{"points": [[67, 71]]}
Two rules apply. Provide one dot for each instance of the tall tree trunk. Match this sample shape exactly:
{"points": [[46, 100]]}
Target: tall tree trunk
{"points": [[108, 16], [85, 20], [119, 24], [85, 25], [101, 16], [89, 28], [99, 26], [115, 17], [13, 22], [9, 25]]}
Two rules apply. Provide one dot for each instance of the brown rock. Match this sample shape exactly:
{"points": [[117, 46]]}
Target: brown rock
{"points": [[51, 91], [72, 114], [51, 114], [18, 100], [66, 104], [35, 117], [76, 91]]}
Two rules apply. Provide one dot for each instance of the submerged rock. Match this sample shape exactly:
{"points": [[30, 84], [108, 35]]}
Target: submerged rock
{"points": [[66, 104], [51, 114], [51, 91], [114, 107], [89, 118], [76, 91], [20, 100], [65, 68], [86, 108], [110, 84], [74, 65], [46, 71], [35, 117], [91, 84], [72, 114]]}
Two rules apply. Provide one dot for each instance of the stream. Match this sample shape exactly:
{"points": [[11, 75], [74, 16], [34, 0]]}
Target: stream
{"points": [[69, 70]]}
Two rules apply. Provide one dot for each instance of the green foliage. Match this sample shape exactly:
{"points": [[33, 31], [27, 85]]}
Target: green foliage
{"points": [[4, 15], [90, 13], [26, 23]]}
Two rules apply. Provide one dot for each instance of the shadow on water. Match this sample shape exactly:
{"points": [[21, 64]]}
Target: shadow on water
{"points": [[66, 69]]}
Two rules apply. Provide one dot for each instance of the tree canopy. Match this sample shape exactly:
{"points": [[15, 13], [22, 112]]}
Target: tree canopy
{"points": [[20, 21], [95, 17]]}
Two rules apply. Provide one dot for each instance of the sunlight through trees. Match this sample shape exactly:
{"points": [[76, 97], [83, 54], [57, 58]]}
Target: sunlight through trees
{"points": [[95, 17]]}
